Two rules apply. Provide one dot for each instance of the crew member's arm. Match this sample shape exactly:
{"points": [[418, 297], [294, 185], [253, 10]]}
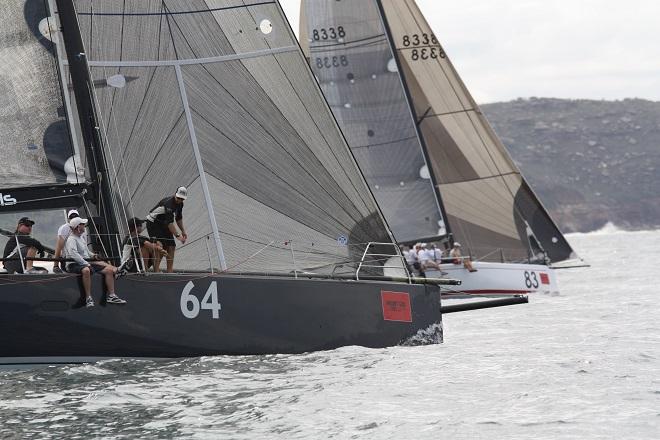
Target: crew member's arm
{"points": [[184, 236], [58, 249], [31, 242]]}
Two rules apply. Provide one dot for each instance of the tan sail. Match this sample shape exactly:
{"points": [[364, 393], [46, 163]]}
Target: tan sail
{"points": [[488, 204]]}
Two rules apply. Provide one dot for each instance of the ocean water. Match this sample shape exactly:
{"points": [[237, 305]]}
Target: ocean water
{"points": [[581, 365]]}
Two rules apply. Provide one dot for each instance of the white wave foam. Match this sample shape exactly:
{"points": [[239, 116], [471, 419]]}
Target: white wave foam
{"points": [[608, 229]]}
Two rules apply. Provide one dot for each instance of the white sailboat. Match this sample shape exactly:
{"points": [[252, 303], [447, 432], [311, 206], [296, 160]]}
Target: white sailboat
{"points": [[436, 167]]}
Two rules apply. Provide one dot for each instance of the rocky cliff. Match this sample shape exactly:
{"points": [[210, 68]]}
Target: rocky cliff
{"points": [[590, 162]]}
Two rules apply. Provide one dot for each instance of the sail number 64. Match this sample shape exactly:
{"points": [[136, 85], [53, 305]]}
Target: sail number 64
{"points": [[191, 306]]}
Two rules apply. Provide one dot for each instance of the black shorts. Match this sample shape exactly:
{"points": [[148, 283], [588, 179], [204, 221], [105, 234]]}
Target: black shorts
{"points": [[160, 232], [77, 268], [15, 266]]}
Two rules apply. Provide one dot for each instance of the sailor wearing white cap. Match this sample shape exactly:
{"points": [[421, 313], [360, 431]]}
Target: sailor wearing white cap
{"points": [[77, 250], [62, 234], [160, 224], [458, 258]]}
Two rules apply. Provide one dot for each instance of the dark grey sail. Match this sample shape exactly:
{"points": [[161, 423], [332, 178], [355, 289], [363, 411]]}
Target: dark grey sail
{"points": [[489, 206], [35, 144], [353, 62], [215, 95]]}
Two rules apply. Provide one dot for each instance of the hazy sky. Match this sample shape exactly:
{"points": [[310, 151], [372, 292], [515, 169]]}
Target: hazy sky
{"points": [[505, 49]]}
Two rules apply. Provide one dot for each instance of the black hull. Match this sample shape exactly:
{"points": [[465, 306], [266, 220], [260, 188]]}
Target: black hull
{"points": [[41, 316]]}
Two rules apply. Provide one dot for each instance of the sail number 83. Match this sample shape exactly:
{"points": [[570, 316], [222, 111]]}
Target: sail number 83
{"points": [[191, 306], [531, 280]]}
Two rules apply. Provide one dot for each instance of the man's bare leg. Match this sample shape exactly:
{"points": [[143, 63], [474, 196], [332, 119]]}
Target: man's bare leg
{"points": [[109, 276], [158, 257], [86, 281], [170, 258], [31, 253]]}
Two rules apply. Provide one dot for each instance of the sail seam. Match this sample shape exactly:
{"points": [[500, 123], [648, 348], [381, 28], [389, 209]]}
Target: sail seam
{"points": [[195, 61], [457, 112], [380, 144], [493, 176], [195, 11], [343, 45]]}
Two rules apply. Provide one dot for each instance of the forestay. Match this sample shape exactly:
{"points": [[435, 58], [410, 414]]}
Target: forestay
{"points": [[353, 61], [216, 95], [34, 138]]}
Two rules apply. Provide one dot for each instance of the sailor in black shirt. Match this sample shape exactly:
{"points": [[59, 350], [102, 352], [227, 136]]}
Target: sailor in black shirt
{"points": [[28, 247], [160, 224]]}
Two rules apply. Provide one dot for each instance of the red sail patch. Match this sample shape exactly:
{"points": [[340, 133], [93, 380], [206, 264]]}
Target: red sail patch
{"points": [[396, 306], [545, 279]]}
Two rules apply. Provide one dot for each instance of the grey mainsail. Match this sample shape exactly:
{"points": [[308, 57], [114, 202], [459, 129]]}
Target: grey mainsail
{"points": [[489, 206], [216, 95], [34, 137], [353, 62]]}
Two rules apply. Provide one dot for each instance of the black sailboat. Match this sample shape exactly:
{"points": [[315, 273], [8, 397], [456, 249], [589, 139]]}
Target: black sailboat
{"points": [[437, 169], [286, 243]]}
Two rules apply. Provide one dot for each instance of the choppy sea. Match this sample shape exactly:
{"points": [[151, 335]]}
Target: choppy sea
{"points": [[581, 365]]}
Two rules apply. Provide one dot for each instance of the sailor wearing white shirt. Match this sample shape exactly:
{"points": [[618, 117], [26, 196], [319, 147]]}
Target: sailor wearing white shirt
{"points": [[62, 234], [427, 257], [76, 249]]}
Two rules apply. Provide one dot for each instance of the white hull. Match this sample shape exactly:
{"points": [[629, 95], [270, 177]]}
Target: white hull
{"points": [[500, 279]]}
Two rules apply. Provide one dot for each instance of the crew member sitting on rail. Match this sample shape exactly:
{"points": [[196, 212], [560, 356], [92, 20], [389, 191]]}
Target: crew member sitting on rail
{"points": [[455, 253], [27, 248], [135, 245], [62, 234], [76, 249], [427, 258]]}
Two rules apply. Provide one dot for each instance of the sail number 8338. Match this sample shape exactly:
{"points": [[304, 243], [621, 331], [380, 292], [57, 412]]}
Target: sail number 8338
{"points": [[191, 305], [416, 42]]}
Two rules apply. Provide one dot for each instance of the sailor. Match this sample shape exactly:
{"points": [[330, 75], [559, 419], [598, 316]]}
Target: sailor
{"points": [[410, 257], [427, 257], [27, 248], [135, 245], [160, 224], [457, 257], [76, 249], [62, 234]]}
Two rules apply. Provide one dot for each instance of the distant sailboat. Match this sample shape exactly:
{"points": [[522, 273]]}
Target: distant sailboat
{"points": [[285, 238], [436, 167]]}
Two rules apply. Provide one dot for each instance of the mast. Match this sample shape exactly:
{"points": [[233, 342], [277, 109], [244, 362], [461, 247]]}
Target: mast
{"points": [[89, 126], [415, 119]]}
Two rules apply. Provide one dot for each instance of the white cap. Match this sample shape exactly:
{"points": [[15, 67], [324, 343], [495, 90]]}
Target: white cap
{"points": [[72, 211], [181, 192], [457, 244], [75, 222]]}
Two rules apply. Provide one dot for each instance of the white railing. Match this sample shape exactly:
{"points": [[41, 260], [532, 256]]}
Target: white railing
{"points": [[387, 257]]}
